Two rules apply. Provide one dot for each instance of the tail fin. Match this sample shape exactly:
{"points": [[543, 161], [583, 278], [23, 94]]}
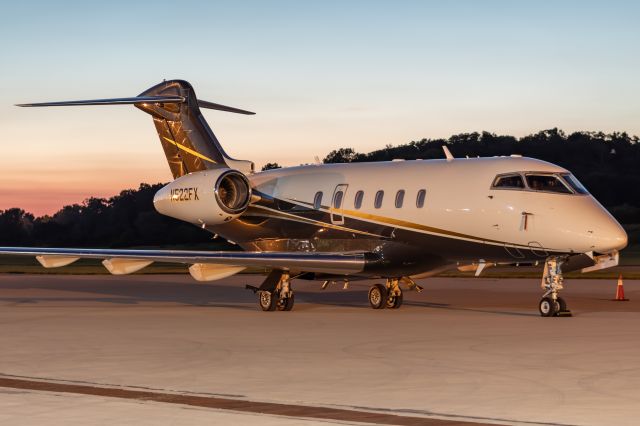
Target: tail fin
{"points": [[187, 140]]}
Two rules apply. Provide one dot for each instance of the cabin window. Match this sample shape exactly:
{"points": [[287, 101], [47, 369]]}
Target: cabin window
{"points": [[422, 194], [574, 183], [512, 181], [337, 199], [357, 202], [399, 198], [317, 200], [378, 200], [547, 183]]}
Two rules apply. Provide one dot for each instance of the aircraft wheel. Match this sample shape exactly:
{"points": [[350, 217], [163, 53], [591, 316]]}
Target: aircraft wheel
{"points": [[548, 307], [394, 302], [378, 296], [286, 303], [562, 305], [267, 300]]}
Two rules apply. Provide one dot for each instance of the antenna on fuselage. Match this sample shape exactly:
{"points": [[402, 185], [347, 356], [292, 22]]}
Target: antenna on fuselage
{"points": [[447, 153]]}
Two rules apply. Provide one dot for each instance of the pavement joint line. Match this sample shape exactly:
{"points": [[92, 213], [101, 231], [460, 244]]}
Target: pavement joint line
{"points": [[240, 405], [111, 385], [446, 416], [422, 413]]}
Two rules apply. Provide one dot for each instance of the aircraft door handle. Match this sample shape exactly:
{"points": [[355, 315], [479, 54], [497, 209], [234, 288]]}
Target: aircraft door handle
{"points": [[524, 223]]}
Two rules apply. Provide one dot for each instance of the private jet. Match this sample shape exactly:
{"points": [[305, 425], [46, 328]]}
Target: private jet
{"points": [[395, 221]]}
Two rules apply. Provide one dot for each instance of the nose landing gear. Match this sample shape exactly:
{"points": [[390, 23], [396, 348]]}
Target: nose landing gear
{"points": [[551, 305]]}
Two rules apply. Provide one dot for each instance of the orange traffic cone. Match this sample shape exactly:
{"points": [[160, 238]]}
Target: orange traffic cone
{"points": [[620, 291]]}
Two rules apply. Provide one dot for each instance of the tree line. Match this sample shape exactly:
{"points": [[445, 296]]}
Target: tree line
{"points": [[124, 220], [608, 164]]}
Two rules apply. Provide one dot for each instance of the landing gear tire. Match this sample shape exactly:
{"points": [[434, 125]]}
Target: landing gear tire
{"points": [[378, 296], [394, 301], [286, 303], [548, 307], [562, 305], [551, 305], [267, 300]]}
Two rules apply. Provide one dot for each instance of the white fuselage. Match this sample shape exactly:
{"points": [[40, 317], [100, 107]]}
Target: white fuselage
{"points": [[460, 202]]}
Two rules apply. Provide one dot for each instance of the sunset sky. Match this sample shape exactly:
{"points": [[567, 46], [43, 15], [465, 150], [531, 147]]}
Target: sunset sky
{"points": [[321, 75]]}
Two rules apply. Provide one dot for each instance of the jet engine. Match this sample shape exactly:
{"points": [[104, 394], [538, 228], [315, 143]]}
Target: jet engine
{"points": [[208, 197]]}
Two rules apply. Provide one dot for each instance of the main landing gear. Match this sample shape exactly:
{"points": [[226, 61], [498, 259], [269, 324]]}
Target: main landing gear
{"points": [[275, 293], [552, 305], [390, 295]]}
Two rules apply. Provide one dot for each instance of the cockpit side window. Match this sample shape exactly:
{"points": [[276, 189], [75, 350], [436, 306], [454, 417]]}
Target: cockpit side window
{"points": [[574, 183], [548, 183], [511, 181]]}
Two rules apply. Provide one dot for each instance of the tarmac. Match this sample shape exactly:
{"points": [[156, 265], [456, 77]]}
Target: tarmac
{"points": [[163, 349]]}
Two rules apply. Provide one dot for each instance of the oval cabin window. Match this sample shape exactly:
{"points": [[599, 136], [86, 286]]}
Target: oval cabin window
{"points": [[378, 201], [357, 202], [337, 199], [399, 198], [422, 194]]}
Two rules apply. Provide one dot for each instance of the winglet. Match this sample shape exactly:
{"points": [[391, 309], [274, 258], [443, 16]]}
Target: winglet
{"points": [[447, 153]]}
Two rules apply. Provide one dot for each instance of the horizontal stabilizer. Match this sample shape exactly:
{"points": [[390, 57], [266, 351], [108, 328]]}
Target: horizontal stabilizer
{"points": [[211, 105], [188, 142], [139, 100], [112, 101]]}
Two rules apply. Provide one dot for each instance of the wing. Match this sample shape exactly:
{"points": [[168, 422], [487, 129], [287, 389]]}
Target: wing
{"points": [[127, 261]]}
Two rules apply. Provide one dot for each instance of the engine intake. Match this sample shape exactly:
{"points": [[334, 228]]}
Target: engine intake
{"points": [[233, 192], [208, 197]]}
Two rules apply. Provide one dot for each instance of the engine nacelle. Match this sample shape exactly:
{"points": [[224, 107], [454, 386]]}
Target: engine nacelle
{"points": [[210, 197]]}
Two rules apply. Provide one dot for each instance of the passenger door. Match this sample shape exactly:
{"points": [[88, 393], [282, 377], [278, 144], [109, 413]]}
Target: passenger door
{"points": [[337, 204]]}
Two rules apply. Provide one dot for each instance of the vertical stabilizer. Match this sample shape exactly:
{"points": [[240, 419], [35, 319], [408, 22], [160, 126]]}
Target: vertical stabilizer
{"points": [[188, 142]]}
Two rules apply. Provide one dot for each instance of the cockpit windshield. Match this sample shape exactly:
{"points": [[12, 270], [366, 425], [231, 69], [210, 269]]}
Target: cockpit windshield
{"points": [[548, 183], [574, 183], [559, 183], [509, 181]]}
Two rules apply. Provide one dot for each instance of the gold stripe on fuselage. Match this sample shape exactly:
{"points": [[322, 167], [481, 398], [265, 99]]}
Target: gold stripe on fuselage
{"points": [[419, 227], [413, 226], [293, 217]]}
